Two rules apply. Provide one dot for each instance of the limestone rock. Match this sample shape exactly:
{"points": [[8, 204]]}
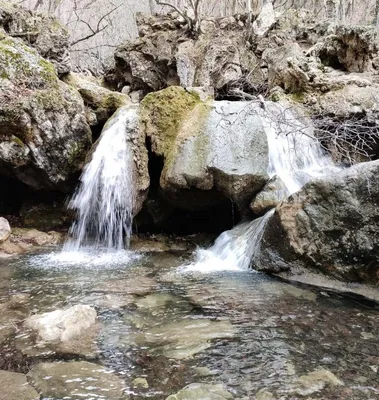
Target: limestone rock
{"points": [[15, 387], [23, 239], [44, 134], [265, 20], [5, 230], [330, 225], [41, 31], [217, 58], [212, 151], [269, 197], [72, 380], [98, 100], [351, 48], [196, 391], [62, 325]]}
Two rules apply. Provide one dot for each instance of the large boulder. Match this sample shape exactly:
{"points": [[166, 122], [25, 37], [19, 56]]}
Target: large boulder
{"points": [[41, 31], [330, 226], [213, 151], [44, 136]]}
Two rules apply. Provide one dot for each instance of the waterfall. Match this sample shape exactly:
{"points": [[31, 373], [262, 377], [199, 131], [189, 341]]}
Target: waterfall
{"points": [[105, 198], [295, 157]]}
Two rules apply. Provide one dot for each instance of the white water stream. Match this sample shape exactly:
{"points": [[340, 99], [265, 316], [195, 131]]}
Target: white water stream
{"points": [[106, 195], [295, 157]]}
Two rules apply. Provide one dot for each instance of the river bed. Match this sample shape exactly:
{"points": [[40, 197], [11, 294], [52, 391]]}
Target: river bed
{"points": [[163, 327]]}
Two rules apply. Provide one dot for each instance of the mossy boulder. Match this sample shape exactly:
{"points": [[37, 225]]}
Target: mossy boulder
{"points": [[44, 136], [100, 102], [41, 31], [212, 151]]}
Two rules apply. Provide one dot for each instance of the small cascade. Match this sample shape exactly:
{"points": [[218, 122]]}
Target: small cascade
{"points": [[105, 198], [295, 157], [233, 250]]}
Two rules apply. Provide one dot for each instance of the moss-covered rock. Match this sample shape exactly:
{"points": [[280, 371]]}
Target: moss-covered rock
{"points": [[212, 152], [41, 31], [44, 136], [162, 114], [100, 102]]}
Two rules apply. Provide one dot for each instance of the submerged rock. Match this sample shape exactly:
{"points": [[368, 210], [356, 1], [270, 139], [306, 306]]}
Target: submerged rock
{"points": [[196, 391], [5, 230], [15, 387], [183, 339], [44, 134], [314, 382], [331, 225], [76, 380], [62, 325]]}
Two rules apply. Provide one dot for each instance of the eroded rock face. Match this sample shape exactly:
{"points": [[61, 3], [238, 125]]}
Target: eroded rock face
{"points": [[164, 55], [351, 48], [43, 32], [44, 134], [331, 225]]}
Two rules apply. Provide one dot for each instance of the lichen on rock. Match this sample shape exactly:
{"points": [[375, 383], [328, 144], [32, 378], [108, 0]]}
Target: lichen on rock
{"points": [[44, 135]]}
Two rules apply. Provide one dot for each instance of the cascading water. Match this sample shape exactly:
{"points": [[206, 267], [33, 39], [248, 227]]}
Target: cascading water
{"points": [[106, 195], [295, 157]]}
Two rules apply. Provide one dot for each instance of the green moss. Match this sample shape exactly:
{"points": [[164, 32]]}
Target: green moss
{"points": [[297, 97], [20, 63], [162, 114], [18, 141]]}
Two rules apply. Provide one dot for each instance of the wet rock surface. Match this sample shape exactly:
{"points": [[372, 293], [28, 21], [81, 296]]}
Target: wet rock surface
{"points": [[16, 387], [201, 391], [228, 326], [77, 380], [330, 225], [100, 102], [22, 240]]}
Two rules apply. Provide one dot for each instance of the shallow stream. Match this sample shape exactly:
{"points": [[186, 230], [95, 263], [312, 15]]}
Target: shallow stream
{"points": [[162, 327]]}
